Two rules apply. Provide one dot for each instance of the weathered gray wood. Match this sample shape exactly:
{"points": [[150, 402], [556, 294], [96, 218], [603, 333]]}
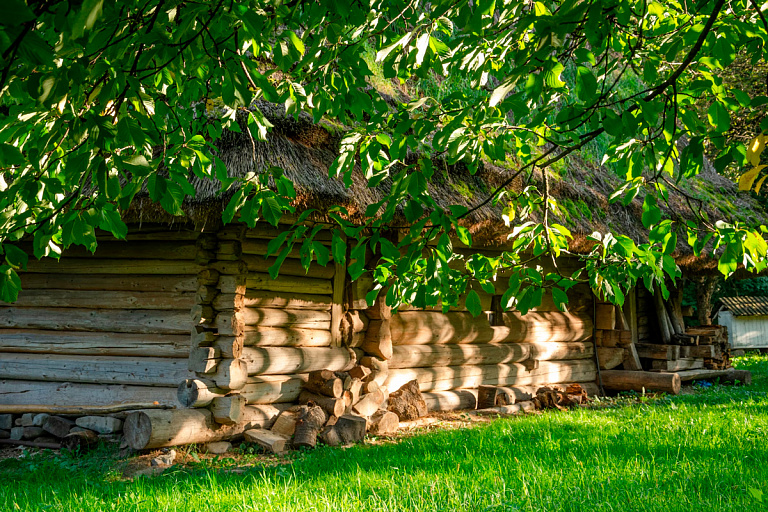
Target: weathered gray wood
{"points": [[94, 343], [28, 392], [688, 363], [105, 299], [124, 249], [294, 318], [290, 267], [146, 371], [158, 283], [107, 266], [309, 285], [105, 320]]}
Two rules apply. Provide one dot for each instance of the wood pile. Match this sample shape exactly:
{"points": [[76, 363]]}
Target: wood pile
{"points": [[55, 431], [704, 347], [339, 408]]}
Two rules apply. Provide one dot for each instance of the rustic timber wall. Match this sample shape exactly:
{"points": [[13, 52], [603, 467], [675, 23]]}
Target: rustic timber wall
{"points": [[257, 337], [102, 329], [450, 351]]}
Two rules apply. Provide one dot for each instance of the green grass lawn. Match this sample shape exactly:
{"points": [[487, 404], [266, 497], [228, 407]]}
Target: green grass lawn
{"points": [[702, 451]]}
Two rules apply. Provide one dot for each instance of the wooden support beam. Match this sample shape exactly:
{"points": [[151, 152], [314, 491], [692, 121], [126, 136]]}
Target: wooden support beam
{"points": [[288, 360], [108, 320], [29, 392], [139, 283], [622, 380]]}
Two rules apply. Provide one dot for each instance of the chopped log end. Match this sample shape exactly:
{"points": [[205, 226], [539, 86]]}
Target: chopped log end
{"points": [[285, 424], [383, 422], [137, 430], [407, 402], [351, 428], [268, 440], [305, 435], [333, 406]]}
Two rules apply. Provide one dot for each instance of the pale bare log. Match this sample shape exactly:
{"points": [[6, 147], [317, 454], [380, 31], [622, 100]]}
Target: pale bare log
{"points": [[456, 400], [29, 392], [288, 360], [286, 337]]}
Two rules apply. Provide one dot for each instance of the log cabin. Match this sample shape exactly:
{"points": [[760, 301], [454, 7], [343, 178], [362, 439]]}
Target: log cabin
{"points": [[183, 322]]}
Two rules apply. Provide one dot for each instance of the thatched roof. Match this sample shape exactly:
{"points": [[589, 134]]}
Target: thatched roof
{"points": [[305, 151]]}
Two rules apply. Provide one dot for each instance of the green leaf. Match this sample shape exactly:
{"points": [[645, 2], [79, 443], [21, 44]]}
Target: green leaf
{"points": [[15, 257], [560, 298], [473, 303], [718, 117], [271, 210], [500, 92], [651, 211], [10, 284], [322, 253], [297, 43]]}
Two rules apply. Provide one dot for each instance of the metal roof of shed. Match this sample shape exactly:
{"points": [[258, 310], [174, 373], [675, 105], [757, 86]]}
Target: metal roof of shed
{"points": [[746, 306]]}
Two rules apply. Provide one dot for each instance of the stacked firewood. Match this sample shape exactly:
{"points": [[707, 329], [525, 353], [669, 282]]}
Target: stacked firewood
{"points": [[338, 408], [700, 347]]}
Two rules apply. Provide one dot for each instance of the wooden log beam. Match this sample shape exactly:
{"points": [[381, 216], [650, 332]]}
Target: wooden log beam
{"points": [[81, 410], [286, 337], [94, 343], [139, 249], [105, 299], [246, 319], [661, 352], [423, 356], [620, 380], [288, 284], [100, 320], [292, 318], [140, 283], [288, 360], [290, 267], [106, 266], [66, 394], [146, 371], [424, 327], [687, 363], [456, 400], [262, 299], [445, 378], [144, 430]]}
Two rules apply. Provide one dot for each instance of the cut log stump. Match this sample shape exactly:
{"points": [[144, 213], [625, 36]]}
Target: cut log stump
{"points": [[407, 402], [268, 440]]}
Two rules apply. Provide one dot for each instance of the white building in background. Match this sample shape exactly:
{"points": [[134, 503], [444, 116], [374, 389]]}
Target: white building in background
{"points": [[747, 321]]}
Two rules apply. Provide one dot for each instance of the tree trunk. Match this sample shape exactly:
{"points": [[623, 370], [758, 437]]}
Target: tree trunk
{"points": [[705, 287]]}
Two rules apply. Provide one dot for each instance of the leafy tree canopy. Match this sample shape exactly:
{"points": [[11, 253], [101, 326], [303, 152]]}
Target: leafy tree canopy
{"points": [[103, 99]]}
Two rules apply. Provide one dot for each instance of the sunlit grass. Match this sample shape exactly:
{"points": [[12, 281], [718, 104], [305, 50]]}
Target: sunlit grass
{"points": [[704, 451]]}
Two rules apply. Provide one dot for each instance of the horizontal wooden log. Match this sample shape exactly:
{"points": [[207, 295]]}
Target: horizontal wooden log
{"points": [[267, 231], [309, 285], [422, 356], [258, 246], [425, 327], [110, 299], [292, 318], [71, 394], [654, 351], [148, 429], [146, 283], [288, 360], [80, 410], [140, 249], [230, 374], [100, 320], [444, 378], [229, 347], [286, 337], [146, 371], [94, 343], [106, 266], [457, 400], [620, 380], [290, 267], [700, 351], [265, 389], [261, 299], [160, 232], [679, 364]]}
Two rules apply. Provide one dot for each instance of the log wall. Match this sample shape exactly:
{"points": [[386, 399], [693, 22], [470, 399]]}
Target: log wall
{"points": [[454, 350], [258, 336], [105, 328]]}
